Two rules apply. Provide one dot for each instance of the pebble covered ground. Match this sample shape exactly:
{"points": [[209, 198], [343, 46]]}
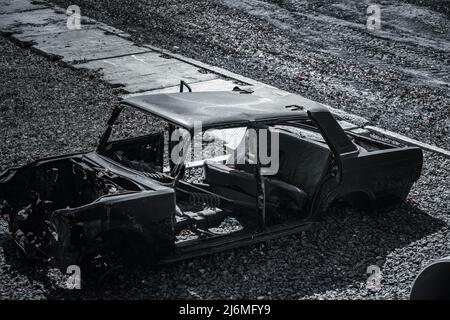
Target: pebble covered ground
{"points": [[47, 108]]}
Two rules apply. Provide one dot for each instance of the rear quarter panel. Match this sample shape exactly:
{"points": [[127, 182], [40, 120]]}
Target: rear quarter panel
{"points": [[385, 176]]}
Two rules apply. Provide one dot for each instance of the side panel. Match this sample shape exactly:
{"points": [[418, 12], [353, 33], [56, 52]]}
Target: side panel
{"points": [[376, 178], [386, 176], [149, 214], [52, 215]]}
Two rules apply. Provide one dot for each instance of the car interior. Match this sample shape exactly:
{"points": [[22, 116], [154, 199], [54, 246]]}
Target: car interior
{"points": [[302, 164], [204, 187]]}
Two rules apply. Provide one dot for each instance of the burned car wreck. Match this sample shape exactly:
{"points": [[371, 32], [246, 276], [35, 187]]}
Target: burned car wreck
{"points": [[131, 197]]}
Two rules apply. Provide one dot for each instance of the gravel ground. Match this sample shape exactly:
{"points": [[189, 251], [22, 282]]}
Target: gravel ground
{"points": [[41, 105], [398, 77]]}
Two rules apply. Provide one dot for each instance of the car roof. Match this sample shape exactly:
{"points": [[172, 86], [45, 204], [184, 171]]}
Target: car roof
{"points": [[222, 108]]}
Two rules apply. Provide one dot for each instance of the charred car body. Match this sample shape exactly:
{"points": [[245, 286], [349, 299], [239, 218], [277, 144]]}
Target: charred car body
{"points": [[129, 196]]}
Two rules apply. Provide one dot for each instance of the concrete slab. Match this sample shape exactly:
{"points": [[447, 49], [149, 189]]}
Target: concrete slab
{"points": [[165, 76], [114, 68], [148, 71], [82, 45], [30, 23], [361, 131], [210, 85], [110, 29], [8, 6], [223, 72], [47, 20], [408, 141], [348, 125]]}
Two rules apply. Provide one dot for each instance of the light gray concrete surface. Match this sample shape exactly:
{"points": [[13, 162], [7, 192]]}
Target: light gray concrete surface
{"points": [[209, 85], [83, 45], [148, 71]]}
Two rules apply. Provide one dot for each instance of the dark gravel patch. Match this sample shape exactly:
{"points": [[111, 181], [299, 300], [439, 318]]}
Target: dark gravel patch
{"points": [[398, 78], [50, 107]]}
